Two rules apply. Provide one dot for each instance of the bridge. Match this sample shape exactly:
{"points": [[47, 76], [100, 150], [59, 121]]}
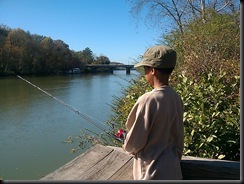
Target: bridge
{"points": [[108, 67]]}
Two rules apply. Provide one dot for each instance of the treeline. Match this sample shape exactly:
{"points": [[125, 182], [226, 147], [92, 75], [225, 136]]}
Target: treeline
{"points": [[24, 53]]}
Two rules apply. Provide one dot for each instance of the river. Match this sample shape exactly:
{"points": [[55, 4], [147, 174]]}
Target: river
{"points": [[34, 126]]}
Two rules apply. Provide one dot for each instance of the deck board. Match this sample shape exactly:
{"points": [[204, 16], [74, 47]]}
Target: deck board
{"points": [[112, 163], [107, 167], [97, 163], [124, 173]]}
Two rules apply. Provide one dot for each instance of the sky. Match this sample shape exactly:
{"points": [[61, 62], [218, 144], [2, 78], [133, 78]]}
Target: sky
{"points": [[104, 26]]}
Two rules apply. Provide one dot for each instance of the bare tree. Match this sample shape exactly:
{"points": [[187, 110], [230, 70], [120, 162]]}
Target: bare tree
{"points": [[175, 13]]}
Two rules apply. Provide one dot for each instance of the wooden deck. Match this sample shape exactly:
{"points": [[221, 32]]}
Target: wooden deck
{"points": [[112, 163], [97, 163]]}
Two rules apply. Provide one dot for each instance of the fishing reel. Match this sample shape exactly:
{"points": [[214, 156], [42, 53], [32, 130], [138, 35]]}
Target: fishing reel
{"points": [[121, 135]]}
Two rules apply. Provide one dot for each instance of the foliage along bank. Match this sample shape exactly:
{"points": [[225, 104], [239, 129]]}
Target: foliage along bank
{"points": [[24, 53]]}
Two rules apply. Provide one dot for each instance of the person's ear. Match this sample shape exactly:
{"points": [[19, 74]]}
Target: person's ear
{"points": [[153, 71]]}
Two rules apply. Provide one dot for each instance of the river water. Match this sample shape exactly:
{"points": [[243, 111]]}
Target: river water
{"points": [[34, 126]]}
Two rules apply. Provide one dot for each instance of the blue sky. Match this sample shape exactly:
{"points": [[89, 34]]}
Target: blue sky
{"points": [[105, 26]]}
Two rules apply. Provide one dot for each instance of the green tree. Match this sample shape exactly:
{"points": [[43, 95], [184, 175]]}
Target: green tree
{"points": [[49, 55], [87, 56], [62, 55], [4, 31], [27, 50], [102, 60], [25, 53], [76, 60], [17, 44], [37, 62]]}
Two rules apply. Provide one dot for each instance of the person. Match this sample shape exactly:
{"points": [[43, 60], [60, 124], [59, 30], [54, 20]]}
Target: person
{"points": [[155, 130]]}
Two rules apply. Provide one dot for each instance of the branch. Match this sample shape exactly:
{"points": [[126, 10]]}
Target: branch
{"points": [[192, 6], [226, 4], [164, 6]]}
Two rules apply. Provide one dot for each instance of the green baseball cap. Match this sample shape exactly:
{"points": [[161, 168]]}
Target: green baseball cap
{"points": [[158, 57]]}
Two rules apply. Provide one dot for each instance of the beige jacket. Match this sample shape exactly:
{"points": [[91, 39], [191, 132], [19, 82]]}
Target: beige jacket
{"points": [[156, 135]]}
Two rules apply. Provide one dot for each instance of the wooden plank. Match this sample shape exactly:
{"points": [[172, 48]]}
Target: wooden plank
{"points": [[116, 148], [107, 167], [76, 167], [125, 172]]}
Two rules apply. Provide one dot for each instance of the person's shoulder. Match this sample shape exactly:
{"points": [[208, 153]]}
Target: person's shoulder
{"points": [[145, 97], [146, 94]]}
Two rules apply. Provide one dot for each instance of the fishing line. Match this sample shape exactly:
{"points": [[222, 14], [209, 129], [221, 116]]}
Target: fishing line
{"points": [[127, 80], [83, 115]]}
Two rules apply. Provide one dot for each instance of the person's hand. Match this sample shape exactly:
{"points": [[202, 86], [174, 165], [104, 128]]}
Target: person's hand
{"points": [[123, 147]]}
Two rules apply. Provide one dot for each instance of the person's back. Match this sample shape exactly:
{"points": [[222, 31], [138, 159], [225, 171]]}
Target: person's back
{"points": [[156, 135]]}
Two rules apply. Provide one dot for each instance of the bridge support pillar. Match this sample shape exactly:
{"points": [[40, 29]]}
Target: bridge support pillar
{"points": [[127, 70], [111, 70]]}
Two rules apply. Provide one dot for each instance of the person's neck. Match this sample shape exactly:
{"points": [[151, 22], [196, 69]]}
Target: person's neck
{"points": [[160, 84], [160, 81]]}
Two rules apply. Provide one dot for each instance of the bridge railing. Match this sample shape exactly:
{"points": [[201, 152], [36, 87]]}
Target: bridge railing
{"points": [[109, 67]]}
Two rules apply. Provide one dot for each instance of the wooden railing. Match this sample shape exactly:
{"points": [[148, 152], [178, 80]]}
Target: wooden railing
{"points": [[194, 168]]}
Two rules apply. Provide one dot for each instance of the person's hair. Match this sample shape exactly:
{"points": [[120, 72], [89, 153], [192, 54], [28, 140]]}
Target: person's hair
{"points": [[166, 71]]}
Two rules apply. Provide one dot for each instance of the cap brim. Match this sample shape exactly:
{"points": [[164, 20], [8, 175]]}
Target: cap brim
{"points": [[141, 64]]}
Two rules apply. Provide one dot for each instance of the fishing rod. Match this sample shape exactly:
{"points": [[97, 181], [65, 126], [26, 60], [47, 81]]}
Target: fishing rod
{"points": [[120, 134]]}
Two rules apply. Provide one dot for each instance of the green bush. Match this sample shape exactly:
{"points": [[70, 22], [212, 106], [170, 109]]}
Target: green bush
{"points": [[211, 116], [211, 113]]}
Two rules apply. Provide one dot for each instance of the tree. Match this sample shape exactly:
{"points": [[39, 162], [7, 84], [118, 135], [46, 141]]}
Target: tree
{"points": [[87, 56], [210, 46], [47, 61], [62, 55], [174, 13], [25, 53], [4, 31], [76, 60], [18, 51], [102, 60]]}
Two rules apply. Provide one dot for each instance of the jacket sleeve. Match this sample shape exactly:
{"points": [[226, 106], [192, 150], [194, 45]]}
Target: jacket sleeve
{"points": [[138, 124]]}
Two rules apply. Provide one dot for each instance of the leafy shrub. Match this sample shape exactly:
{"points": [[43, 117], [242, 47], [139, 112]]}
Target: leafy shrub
{"points": [[211, 116], [211, 113]]}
